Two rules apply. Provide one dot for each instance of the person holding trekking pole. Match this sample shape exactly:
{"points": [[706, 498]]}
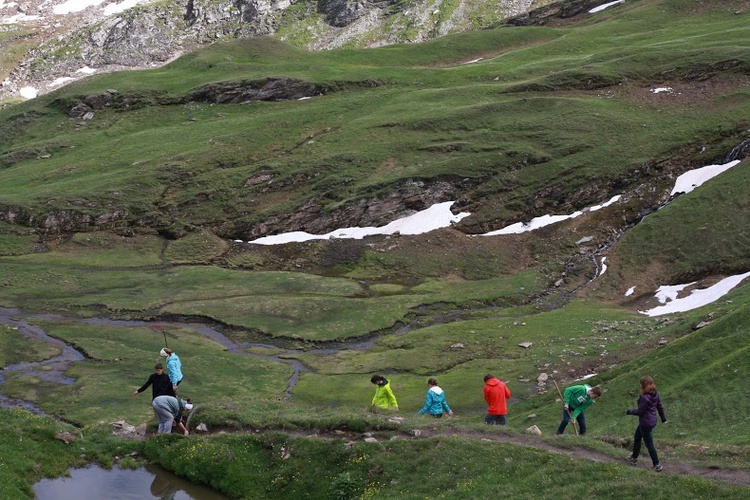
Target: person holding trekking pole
{"points": [[576, 399], [174, 365], [649, 403]]}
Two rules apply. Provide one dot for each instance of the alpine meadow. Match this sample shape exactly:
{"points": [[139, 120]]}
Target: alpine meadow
{"points": [[558, 197]]}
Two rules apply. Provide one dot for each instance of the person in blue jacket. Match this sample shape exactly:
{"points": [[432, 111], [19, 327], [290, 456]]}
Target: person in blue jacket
{"points": [[435, 400], [174, 365]]}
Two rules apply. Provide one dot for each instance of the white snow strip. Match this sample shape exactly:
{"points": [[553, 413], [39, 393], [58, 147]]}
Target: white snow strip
{"points": [[668, 293], [694, 178], [586, 377], [436, 217], [604, 266], [28, 92], [86, 70], [60, 81], [612, 200], [658, 90], [74, 6], [18, 18], [119, 7], [546, 220], [474, 61], [604, 6], [697, 298], [630, 291]]}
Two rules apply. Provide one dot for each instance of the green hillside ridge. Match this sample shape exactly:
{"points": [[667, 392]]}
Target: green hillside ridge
{"points": [[117, 235]]}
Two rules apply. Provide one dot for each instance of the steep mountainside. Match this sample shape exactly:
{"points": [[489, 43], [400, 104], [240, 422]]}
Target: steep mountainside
{"points": [[51, 43]]}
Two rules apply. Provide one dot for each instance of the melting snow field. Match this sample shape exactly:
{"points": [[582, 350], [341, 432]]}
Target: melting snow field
{"points": [[436, 217], [546, 220], [668, 296], [605, 6], [694, 178]]}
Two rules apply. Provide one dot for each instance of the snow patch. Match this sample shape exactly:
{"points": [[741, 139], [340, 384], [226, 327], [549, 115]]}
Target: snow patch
{"points": [[667, 295], [546, 220], [605, 6], [604, 267], [630, 291], [694, 178], [120, 7], [28, 92], [60, 81], [436, 217], [86, 70], [659, 90], [74, 6]]}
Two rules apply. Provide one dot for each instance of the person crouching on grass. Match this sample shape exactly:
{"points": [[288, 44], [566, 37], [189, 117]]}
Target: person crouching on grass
{"points": [[435, 400], [649, 403], [576, 399], [383, 398], [169, 411]]}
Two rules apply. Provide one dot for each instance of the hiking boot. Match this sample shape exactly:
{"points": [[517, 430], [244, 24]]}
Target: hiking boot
{"points": [[631, 460], [656, 468]]}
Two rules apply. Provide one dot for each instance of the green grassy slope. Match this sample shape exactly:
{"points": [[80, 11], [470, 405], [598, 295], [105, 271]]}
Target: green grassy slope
{"points": [[551, 119], [429, 118]]}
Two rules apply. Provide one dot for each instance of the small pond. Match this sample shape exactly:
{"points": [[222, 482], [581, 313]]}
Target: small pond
{"points": [[95, 483]]}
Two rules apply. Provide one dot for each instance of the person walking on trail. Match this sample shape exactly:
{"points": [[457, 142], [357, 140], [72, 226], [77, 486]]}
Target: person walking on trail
{"points": [[576, 399], [649, 403], [435, 400], [174, 365], [496, 394], [384, 398], [159, 382], [169, 411]]}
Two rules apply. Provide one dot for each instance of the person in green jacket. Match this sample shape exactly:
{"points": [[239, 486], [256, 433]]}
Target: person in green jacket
{"points": [[384, 398], [576, 399]]}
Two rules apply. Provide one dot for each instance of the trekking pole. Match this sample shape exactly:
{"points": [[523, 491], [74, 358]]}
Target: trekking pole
{"points": [[156, 329], [567, 410]]}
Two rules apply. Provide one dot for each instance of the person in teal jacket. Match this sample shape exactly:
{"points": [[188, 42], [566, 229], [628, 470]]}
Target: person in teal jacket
{"points": [[576, 399], [435, 401], [384, 398], [174, 365]]}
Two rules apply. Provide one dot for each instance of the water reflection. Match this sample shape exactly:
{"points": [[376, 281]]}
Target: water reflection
{"points": [[95, 483]]}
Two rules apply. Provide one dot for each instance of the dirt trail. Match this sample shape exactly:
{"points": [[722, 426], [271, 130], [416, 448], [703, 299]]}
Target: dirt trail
{"points": [[735, 476]]}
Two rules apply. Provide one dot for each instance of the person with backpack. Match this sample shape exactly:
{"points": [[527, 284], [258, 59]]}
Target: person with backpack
{"points": [[383, 398], [435, 401], [576, 399], [496, 394], [649, 403]]}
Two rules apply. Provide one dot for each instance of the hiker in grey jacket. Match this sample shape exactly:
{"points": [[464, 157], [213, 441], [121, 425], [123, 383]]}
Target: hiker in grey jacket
{"points": [[649, 403], [435, 400], [169, 410]]}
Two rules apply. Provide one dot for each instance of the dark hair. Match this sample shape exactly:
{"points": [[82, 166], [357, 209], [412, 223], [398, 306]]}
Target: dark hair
{"points": [[488, 376], [647, 385], [376, 378], [432, 381], [158, 366], [597, 390]]}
